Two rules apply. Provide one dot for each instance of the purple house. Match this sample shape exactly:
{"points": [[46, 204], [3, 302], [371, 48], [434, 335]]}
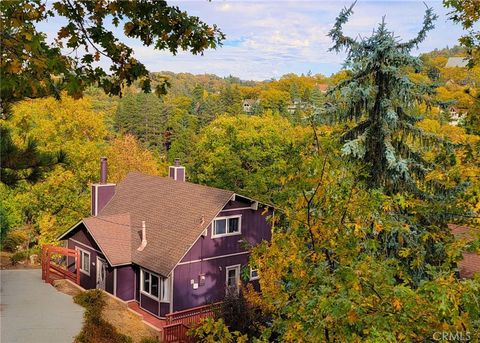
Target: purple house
{"points": [[165, 243]]}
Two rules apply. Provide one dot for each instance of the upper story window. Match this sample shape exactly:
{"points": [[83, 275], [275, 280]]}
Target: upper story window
{"points": [[155, 286], [84, 261], [227, 226], [254, 274]]}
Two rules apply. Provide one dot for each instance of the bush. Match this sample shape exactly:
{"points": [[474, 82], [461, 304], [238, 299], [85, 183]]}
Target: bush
{"points": [[100, 332], [95, 329], [19, 256], [239, 315], [149, 340], [212, 331], [13, 240], [93, 300]]}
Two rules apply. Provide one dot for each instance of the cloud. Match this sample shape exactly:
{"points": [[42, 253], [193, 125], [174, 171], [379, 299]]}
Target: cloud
{"points": [[269, 38]]}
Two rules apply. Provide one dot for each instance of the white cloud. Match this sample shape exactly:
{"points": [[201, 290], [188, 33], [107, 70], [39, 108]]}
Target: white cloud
{"points": [[271, 38]]}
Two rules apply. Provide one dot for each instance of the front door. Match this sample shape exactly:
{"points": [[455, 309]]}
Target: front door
{"points": [[232, 278], [101, 273]]}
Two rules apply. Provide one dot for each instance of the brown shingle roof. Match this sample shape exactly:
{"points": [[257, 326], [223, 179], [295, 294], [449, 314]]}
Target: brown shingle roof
{"points": [[175, 214], [113, 235], [470, 264]]}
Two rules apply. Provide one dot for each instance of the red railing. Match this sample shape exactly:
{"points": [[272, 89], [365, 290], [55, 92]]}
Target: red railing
{"points": [[178, 323], [192, 315], [176, 333], [51, 271]]}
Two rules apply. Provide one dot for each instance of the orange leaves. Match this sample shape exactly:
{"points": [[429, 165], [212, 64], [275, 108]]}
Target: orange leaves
{"points": [[397, 304]]}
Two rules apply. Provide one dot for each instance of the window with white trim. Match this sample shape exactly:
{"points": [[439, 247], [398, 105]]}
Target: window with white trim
{"points": [[227, 226], [84, 261], [254, 274], [155, 286]]}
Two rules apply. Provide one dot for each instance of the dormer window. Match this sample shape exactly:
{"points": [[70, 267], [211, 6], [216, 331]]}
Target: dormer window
{"points": [[227, 226]]}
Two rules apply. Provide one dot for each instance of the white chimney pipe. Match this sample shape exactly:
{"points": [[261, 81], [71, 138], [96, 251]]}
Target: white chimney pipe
{"points": [[144, 237]]}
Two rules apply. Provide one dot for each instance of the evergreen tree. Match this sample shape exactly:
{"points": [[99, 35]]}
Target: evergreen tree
{"points": [[382, 101], [143, 116]]}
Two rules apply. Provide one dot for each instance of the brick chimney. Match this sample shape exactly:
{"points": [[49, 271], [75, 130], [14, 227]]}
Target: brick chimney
{"points": [[177, 171], [103, 191]]}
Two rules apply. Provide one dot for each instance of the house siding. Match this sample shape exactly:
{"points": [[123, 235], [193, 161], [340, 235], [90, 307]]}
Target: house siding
{"points": [[206, 256], [254, 229], [125, 283], [83, 240], [184, 296]]}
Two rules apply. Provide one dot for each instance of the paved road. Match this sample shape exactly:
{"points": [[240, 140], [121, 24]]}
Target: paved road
{"points": [[34, 311]]}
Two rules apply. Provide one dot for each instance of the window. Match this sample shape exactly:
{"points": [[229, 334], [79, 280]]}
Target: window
{"points": [[155, 286], [226, 226], [254, 274], [84, 261], [232, 278]]}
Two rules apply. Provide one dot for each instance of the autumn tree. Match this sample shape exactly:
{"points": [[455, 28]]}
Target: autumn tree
{"points": [[248, 154], [467, 14], [33, 68], [54, 204]]}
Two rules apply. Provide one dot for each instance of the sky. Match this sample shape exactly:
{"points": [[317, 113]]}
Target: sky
{"points": [[267, 39]]}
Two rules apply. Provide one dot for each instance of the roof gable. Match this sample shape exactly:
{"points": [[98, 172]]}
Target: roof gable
{"points": [[175, 214]]}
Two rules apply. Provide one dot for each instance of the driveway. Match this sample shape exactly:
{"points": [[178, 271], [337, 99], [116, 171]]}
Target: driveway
{"points": [[34, 311]]}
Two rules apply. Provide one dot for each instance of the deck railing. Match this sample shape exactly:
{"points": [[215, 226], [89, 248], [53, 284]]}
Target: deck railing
{"points": [[192, 315], [176, 333], [51, 271]]}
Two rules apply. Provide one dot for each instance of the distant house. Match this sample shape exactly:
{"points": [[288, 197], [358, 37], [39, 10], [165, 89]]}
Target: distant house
{"points": [[470, 264], [456, 62], [322, 87], [165, 243], [249, 105], [455, 115], [296, 104]]}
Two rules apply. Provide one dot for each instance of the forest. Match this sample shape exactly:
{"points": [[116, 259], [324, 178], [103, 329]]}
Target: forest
{"points": [[367, 168]]}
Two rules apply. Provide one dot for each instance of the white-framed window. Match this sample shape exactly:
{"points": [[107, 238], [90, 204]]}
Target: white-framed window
{"points": [[254, 274], [232, 278], [227, 226], [154, 286], [84, 261]]}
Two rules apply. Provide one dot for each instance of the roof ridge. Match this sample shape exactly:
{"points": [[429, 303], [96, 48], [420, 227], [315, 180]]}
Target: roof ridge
{"points": [[169, 179]]}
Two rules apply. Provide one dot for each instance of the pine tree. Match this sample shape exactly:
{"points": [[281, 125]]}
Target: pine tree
{"points": [[381, 100]]}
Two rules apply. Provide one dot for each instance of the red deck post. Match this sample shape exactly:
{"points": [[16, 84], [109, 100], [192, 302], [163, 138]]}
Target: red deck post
{"points": [[47, 266], [77, 265]]}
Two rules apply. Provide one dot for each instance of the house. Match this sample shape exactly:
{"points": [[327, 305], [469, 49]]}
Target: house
{"points": [[322, 87], [249, 105], [456, 62], [455, 115], [165, 243], [470, 264]]}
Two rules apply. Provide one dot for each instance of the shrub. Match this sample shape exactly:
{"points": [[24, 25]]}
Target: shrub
{"points": [[149, 340], [212, 331], [93, 300], [100, 332], [13, 240], [240, 315], [19, 256], [95, 329]]}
